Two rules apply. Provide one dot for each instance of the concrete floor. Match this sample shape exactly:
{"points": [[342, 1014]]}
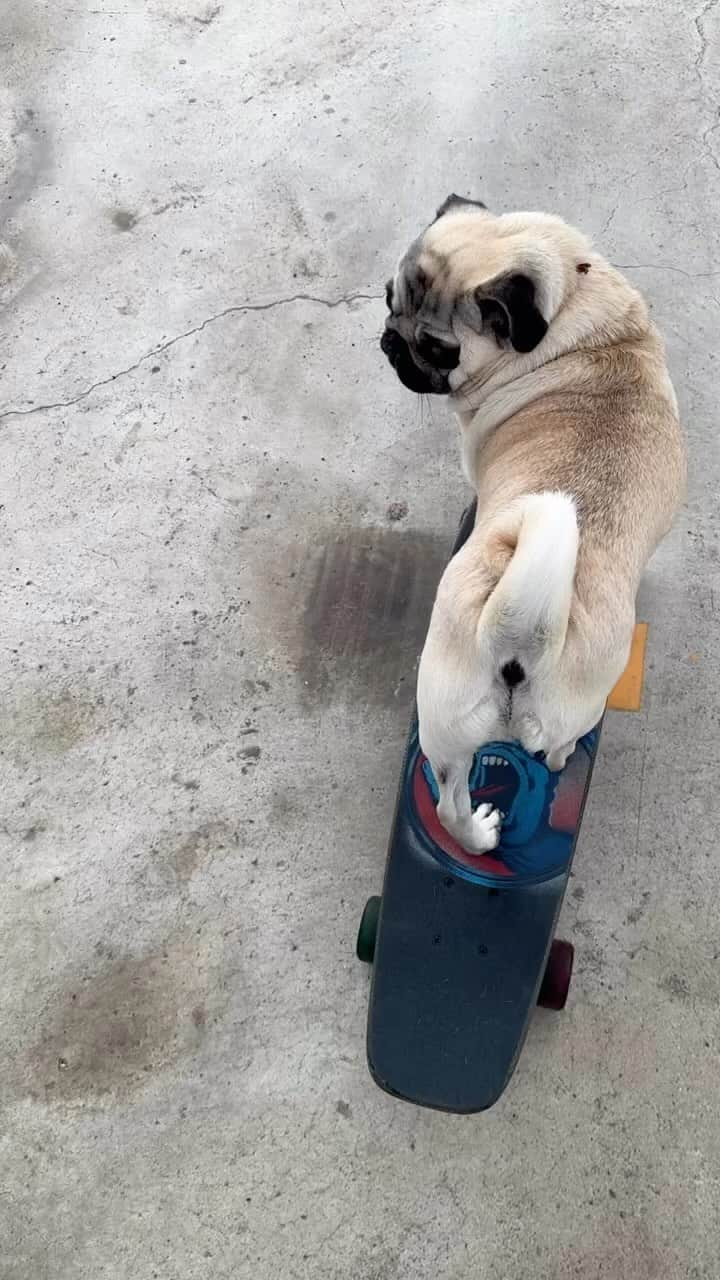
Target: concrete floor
{"points": [[210, 633]]}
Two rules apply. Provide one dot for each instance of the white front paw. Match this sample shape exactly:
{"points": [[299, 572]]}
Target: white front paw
{"points": [[486, 823]]}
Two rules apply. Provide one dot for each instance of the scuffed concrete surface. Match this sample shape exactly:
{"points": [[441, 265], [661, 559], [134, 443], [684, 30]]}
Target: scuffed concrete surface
{"points": [[221, 524]]}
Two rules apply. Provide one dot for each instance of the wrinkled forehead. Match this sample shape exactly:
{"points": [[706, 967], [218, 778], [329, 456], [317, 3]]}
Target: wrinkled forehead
{"points": [[422, 287], [450, 259]]}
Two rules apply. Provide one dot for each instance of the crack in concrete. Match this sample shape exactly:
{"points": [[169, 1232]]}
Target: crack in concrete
{"points": [[709, 150], [665, 266], [237, 309], [699, 69], [345, 299], [656, 196], [699, 24], [609, 220]]}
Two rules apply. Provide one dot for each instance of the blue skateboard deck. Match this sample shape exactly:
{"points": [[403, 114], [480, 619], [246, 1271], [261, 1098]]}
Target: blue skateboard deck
{"points": [[461, 942]]}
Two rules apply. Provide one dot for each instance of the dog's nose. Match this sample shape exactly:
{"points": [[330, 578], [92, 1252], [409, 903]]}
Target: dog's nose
{"points": [[386, 342], [393, 346]]}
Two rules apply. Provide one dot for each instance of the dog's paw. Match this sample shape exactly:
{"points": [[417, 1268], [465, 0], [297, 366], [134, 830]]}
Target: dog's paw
{"points": [[557, 759], [486, 822]]}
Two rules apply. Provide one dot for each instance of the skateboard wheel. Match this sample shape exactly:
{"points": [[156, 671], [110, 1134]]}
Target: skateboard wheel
{"points": [[558, 972], [367, 932]]}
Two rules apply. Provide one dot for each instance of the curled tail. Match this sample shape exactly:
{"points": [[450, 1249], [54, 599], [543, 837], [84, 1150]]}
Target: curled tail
{"points": [[525, 619]]}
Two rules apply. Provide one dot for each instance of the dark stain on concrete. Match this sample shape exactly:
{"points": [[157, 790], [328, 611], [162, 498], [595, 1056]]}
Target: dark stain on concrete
{"points": [[52, 721], [343, 1109], [675, 986], [251, 687], [186, 853], [397, 511], [593, 960], [109, 1030], [123, 219], [637, 912], [187, 784], [33, 162], [369, 594], [623, 1248], [211, 13], [288, 807]]}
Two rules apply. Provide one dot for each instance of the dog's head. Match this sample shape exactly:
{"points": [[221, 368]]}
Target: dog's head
{"points": [[475, 289]]}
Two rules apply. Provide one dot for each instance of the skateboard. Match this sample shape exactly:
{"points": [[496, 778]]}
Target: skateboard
{"points": [[462, 946]]}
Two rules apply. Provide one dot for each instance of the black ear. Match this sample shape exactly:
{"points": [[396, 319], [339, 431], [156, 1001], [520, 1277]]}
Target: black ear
{"points": [[508, 307], [457, 202]]}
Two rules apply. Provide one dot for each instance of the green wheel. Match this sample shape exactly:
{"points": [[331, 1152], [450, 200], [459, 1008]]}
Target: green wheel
{"points": [[368, 931]]}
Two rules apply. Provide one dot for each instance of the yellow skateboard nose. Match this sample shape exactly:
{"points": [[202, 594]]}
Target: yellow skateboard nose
{"points": [[627, 694]]}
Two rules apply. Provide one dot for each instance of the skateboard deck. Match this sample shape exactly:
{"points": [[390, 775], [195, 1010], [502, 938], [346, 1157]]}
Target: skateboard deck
{"points": [[462, 942]]}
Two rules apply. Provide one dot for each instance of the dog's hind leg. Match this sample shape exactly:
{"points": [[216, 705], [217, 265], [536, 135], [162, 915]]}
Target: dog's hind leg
{"points": [[555, 728]]}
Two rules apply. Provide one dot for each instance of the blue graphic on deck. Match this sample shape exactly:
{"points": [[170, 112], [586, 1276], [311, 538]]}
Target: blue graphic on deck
{"points": [[540, 809]]}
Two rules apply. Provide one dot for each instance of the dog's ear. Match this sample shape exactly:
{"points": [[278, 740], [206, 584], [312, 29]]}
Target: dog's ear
{"points": [[454, 201], [507, 306]]}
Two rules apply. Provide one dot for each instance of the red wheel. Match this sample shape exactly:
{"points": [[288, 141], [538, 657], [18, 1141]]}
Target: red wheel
{"points": [[558, 972]]}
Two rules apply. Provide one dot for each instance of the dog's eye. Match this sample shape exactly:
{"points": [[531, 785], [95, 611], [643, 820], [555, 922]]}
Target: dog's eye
{"points": [[389, 290], [438, 352]]}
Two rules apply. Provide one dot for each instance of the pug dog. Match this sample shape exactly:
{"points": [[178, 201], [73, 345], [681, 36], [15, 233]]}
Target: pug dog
{"points": [[571, 439]]}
